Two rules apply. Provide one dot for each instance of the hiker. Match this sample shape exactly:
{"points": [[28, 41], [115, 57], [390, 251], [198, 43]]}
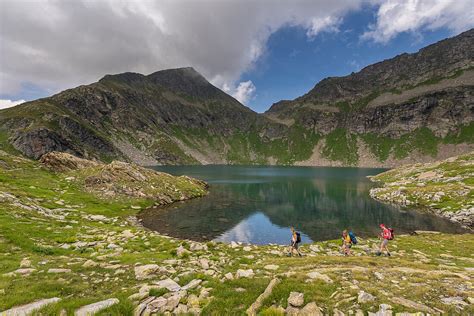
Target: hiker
{"points": [[295, 240], [346, 243], [385, 235]]}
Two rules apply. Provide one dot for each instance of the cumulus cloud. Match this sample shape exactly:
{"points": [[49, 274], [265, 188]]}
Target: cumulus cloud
{"points": [[244, 91], [397, 16], [4, 104], [60, 44], [326, 24]]}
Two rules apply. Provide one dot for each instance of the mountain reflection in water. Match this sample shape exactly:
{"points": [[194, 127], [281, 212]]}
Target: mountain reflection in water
{"points": [[258, 205]]}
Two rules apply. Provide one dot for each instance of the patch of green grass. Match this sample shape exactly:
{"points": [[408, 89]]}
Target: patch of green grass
{"points": [[344, 106], [422, 139], [379, 145], [464, 135], [341, 146]]}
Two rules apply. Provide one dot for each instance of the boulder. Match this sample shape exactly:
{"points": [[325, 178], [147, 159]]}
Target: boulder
{"points": [[25, 263], [204, 263], [198, 247], [59, 270], [316, 275], [244, 273], [89, 263], [191, 285], [181, 310], [31, 308], [181, 251], [311, 309], [291, 311], [272, 267], [193, 301], [296, 299], [169, 284], [64, 162], [365, 297], [146, 271], [128, 234], [94, 308]]}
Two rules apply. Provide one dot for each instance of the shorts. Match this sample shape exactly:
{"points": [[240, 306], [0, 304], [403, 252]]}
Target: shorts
{"points": [[385, 242], [294, 245]]}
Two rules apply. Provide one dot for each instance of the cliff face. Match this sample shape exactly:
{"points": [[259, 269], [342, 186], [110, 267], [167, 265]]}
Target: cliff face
{"points": [[414, 107], [164, 118]]}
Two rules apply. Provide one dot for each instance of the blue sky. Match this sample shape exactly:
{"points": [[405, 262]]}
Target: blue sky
{"points": [[258, 51], [293, 64]]}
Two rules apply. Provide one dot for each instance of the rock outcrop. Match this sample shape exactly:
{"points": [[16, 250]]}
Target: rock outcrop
{"points": [[64, 162], [124, 179], [443, 187]]}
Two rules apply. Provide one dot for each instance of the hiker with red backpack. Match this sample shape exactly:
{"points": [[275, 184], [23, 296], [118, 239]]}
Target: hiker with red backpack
{"points": [[295, 240], [386, 235]]}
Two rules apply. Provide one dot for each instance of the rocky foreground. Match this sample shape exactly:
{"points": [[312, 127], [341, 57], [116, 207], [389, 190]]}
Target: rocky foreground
{"points": [[68, 249], [445, 187]]}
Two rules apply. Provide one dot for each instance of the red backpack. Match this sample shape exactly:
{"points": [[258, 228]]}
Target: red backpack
{"points": [[388, 233]]}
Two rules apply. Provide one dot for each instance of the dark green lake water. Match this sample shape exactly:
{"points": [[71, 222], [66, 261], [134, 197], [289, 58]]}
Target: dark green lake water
{"points": [[258, 205]]}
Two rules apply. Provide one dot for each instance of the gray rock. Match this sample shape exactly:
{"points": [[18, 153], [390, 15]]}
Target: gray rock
{"points": [[94, 308], [181, 251], [245, 273], [30, 308], [59, 270], [454, 300], [169, 284], [191, 285], [204, 263], [296, 299], [311, 309], [365, 297], [25, 263], [316, 275], [271, 267], [146, 271], [291, 311], [181, 310]]}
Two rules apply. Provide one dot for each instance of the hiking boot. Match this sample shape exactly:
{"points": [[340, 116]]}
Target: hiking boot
{"points": [[378, 253], [388, 254]]}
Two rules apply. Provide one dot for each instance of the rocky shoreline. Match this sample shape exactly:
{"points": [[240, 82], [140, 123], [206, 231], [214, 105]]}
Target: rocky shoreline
{"points": [[443, 188]]}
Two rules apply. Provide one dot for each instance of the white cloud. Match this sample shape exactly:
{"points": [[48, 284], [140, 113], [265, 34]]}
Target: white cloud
{"points": [[397, 16], [326, 24], [60, 44], [4, 104], [244, 91]]}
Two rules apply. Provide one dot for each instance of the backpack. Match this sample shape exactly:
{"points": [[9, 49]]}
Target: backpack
{"points": [[298, 237], [353, 238], [391, 233]]}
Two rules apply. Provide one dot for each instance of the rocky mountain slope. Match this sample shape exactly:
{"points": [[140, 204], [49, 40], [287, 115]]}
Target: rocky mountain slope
{"points": [[444, 187], [162, 118], [414, 107]]}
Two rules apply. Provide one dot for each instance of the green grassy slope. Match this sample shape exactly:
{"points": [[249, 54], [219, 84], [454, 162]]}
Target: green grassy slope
{"points": [[49, 219]]}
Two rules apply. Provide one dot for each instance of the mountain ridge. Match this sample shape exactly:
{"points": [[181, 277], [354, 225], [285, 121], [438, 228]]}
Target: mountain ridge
{"points": [[416, 107]]}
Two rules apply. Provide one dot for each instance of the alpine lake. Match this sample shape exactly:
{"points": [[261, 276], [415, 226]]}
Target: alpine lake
{"points": [[259, 204]]}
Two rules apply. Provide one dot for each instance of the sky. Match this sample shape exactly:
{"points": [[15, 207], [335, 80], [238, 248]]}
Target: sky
{"points": [[259, 51]]}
